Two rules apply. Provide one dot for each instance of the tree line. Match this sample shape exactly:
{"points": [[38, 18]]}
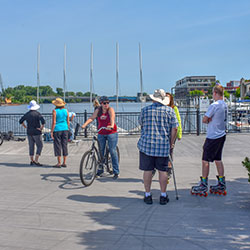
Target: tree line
{"points": [[24, 94]]}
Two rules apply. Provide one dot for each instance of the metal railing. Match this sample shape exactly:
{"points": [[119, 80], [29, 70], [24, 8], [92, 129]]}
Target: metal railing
{"points": [[127, 123]]}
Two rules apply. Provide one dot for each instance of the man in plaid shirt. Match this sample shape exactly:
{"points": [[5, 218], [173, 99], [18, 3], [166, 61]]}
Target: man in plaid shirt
{"points": [[158, 132]]}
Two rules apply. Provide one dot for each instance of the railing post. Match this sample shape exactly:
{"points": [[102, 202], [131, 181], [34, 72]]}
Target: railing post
{"points": [[85, 119], [198, 121]]}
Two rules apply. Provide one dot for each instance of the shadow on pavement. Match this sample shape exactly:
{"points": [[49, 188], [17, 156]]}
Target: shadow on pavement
{"points": [[192, 222], [65, 180], [23, 165]]}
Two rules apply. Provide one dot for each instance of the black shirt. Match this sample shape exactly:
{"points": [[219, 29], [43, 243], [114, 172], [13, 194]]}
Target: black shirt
{"points": [[34, 120]]}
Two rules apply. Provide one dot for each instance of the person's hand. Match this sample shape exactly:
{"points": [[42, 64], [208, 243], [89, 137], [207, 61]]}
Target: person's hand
{"points": [[52, 136], [83, 127], [110, 127], [179, 139], [40, 129], [209, 120]]}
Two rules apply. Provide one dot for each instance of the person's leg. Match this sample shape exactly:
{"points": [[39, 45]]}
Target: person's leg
{"points": [[205, 169], [147, 179], [112, 142], [163, 177], [102, 142], [64, 142], [220, 167], [39, 146], [57, 146], [71, 128], [31, 148]]}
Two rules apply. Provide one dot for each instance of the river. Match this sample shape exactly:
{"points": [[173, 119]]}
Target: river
{"points": [[75, 107]]}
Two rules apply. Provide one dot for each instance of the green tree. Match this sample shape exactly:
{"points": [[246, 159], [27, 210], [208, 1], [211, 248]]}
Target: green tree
{"points": [[226, 94], [196, 92], [237, 93], [59, 91]]}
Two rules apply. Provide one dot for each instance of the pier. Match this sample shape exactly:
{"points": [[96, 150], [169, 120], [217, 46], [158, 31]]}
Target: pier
{"points": [[45, 208]]}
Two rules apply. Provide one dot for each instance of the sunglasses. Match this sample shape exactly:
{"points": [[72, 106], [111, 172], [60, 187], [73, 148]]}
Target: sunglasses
{"points": [[104, 103]]}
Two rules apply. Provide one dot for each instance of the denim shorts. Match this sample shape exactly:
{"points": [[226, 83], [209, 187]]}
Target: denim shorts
{"points": [[149, 163]]}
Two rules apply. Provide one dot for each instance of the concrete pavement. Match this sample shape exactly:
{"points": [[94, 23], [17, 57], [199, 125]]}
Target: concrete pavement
{"points": [[49, 209]]}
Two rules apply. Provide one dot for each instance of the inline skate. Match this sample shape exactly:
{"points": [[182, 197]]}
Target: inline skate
{"points": [[201, 188], [220, 187]]}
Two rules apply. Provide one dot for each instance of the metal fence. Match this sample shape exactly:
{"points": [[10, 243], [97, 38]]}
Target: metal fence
{"points": [[127, 123]]}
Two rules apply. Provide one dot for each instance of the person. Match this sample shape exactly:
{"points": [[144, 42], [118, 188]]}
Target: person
{"points": [[215, 118], [106, 118], [96, 105], [71, 126], [59, 131], [35, 124], [179, 130], [158, 132]]}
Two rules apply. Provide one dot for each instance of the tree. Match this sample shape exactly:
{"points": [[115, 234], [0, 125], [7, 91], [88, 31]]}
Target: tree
{"points": [[226, 94], [196, 92], [59, 91], [237, 93]]}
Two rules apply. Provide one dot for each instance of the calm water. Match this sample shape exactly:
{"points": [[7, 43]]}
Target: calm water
{"points": [[75, 107]]}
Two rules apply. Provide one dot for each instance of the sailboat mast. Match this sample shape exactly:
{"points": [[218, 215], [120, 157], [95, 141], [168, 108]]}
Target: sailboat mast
{"points": [[38, 73], [64, 73], [141, 83], [91, 75], [117, 74]]}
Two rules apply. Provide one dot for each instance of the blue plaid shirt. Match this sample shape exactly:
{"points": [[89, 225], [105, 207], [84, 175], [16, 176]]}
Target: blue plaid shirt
{"points": [[156, 122]]}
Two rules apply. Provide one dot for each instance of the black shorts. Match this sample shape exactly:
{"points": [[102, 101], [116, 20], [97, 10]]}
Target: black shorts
{"points": [[212, 149], [149, 163]]}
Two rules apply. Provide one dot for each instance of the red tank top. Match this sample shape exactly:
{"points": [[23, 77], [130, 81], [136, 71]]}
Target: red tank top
{"points": [[104, 121]]}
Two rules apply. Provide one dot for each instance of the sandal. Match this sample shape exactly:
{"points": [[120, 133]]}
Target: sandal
{"points": [[63, 165], [57, 166]]}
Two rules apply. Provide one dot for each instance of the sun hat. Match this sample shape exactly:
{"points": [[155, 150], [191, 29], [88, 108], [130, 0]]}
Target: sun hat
{"points": [[58, 102], [160, 96], [103, 99], [33, 105]]}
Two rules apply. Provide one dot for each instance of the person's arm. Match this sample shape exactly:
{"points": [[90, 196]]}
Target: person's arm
{"points": [[42, 122], [173, 137], [72, 117], [91, 119], [68, 119], [206, 119], [21, 121], [53, 123], [112, 118]]}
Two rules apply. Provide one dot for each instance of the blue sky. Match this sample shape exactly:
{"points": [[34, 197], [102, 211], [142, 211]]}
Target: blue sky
{"points": [[178, 38]]}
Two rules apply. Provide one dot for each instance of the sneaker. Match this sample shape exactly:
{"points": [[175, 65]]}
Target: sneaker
{"points": [[164, 200], [63, 165], [115, 176], [32, 163], [148, 200], [99, 172]]}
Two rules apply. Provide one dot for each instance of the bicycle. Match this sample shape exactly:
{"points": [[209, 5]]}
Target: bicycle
{"points": [[92, 159]]}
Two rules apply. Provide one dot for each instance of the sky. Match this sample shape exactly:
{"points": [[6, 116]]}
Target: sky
{"points": [[178, 38]]}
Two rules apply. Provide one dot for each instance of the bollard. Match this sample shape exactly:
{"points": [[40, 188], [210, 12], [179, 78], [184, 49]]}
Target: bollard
{"points": [[198, 121]]}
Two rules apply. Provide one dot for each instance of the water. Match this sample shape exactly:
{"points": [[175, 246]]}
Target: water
{"points": [[75, 107]]}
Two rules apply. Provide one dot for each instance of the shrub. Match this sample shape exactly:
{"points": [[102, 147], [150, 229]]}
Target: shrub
{"points": [[246, 163]]}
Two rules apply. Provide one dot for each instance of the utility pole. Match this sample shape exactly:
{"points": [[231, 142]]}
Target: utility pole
{"points": [[117, 74], [38, 73]]}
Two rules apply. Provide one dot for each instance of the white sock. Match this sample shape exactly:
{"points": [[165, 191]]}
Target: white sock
{"points": [[147, 194], [164, 194]]}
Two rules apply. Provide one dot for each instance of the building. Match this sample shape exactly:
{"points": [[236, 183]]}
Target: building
{"points": [[244, 88], [190, 83], [232, 86]]}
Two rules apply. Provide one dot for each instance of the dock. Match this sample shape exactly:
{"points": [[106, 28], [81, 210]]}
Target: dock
{"points": [[43, 208]]}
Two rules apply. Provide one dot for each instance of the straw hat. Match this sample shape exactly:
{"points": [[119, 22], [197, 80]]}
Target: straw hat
{"points": [[33, 105], [58, 102], [160, 96]]}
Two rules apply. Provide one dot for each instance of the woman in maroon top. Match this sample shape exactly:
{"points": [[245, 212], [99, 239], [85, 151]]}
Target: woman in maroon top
{"points": [[106, 118]]}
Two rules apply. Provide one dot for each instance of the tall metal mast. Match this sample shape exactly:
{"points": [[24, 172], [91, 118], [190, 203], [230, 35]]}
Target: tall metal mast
{"points": [[141, 82], [64, 73], [91, 75], [38, 73], [117, 74]]}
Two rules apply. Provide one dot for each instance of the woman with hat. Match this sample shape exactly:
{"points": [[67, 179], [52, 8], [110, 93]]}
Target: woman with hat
{"points": [[59, 131], [106, 118], [35, 123]]}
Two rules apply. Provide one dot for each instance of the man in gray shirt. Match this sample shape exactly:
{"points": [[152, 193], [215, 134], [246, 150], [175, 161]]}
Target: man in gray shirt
{"points": [[215, 117]]}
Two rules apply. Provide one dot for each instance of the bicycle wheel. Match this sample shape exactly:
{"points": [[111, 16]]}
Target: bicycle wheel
{"points": [[109, 160], [1, 139], [88, 166]]}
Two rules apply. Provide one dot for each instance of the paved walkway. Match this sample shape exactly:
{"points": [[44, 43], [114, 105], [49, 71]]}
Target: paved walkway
{"points": [[46, 208]]}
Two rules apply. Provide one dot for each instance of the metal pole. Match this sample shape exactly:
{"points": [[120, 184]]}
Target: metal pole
{"points": [[117, 74], [64, 73], [38, 73], [91, 76], [141, 82]]}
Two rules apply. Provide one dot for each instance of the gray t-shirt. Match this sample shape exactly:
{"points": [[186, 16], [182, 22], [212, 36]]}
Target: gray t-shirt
{"points": [[218, 112]]}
